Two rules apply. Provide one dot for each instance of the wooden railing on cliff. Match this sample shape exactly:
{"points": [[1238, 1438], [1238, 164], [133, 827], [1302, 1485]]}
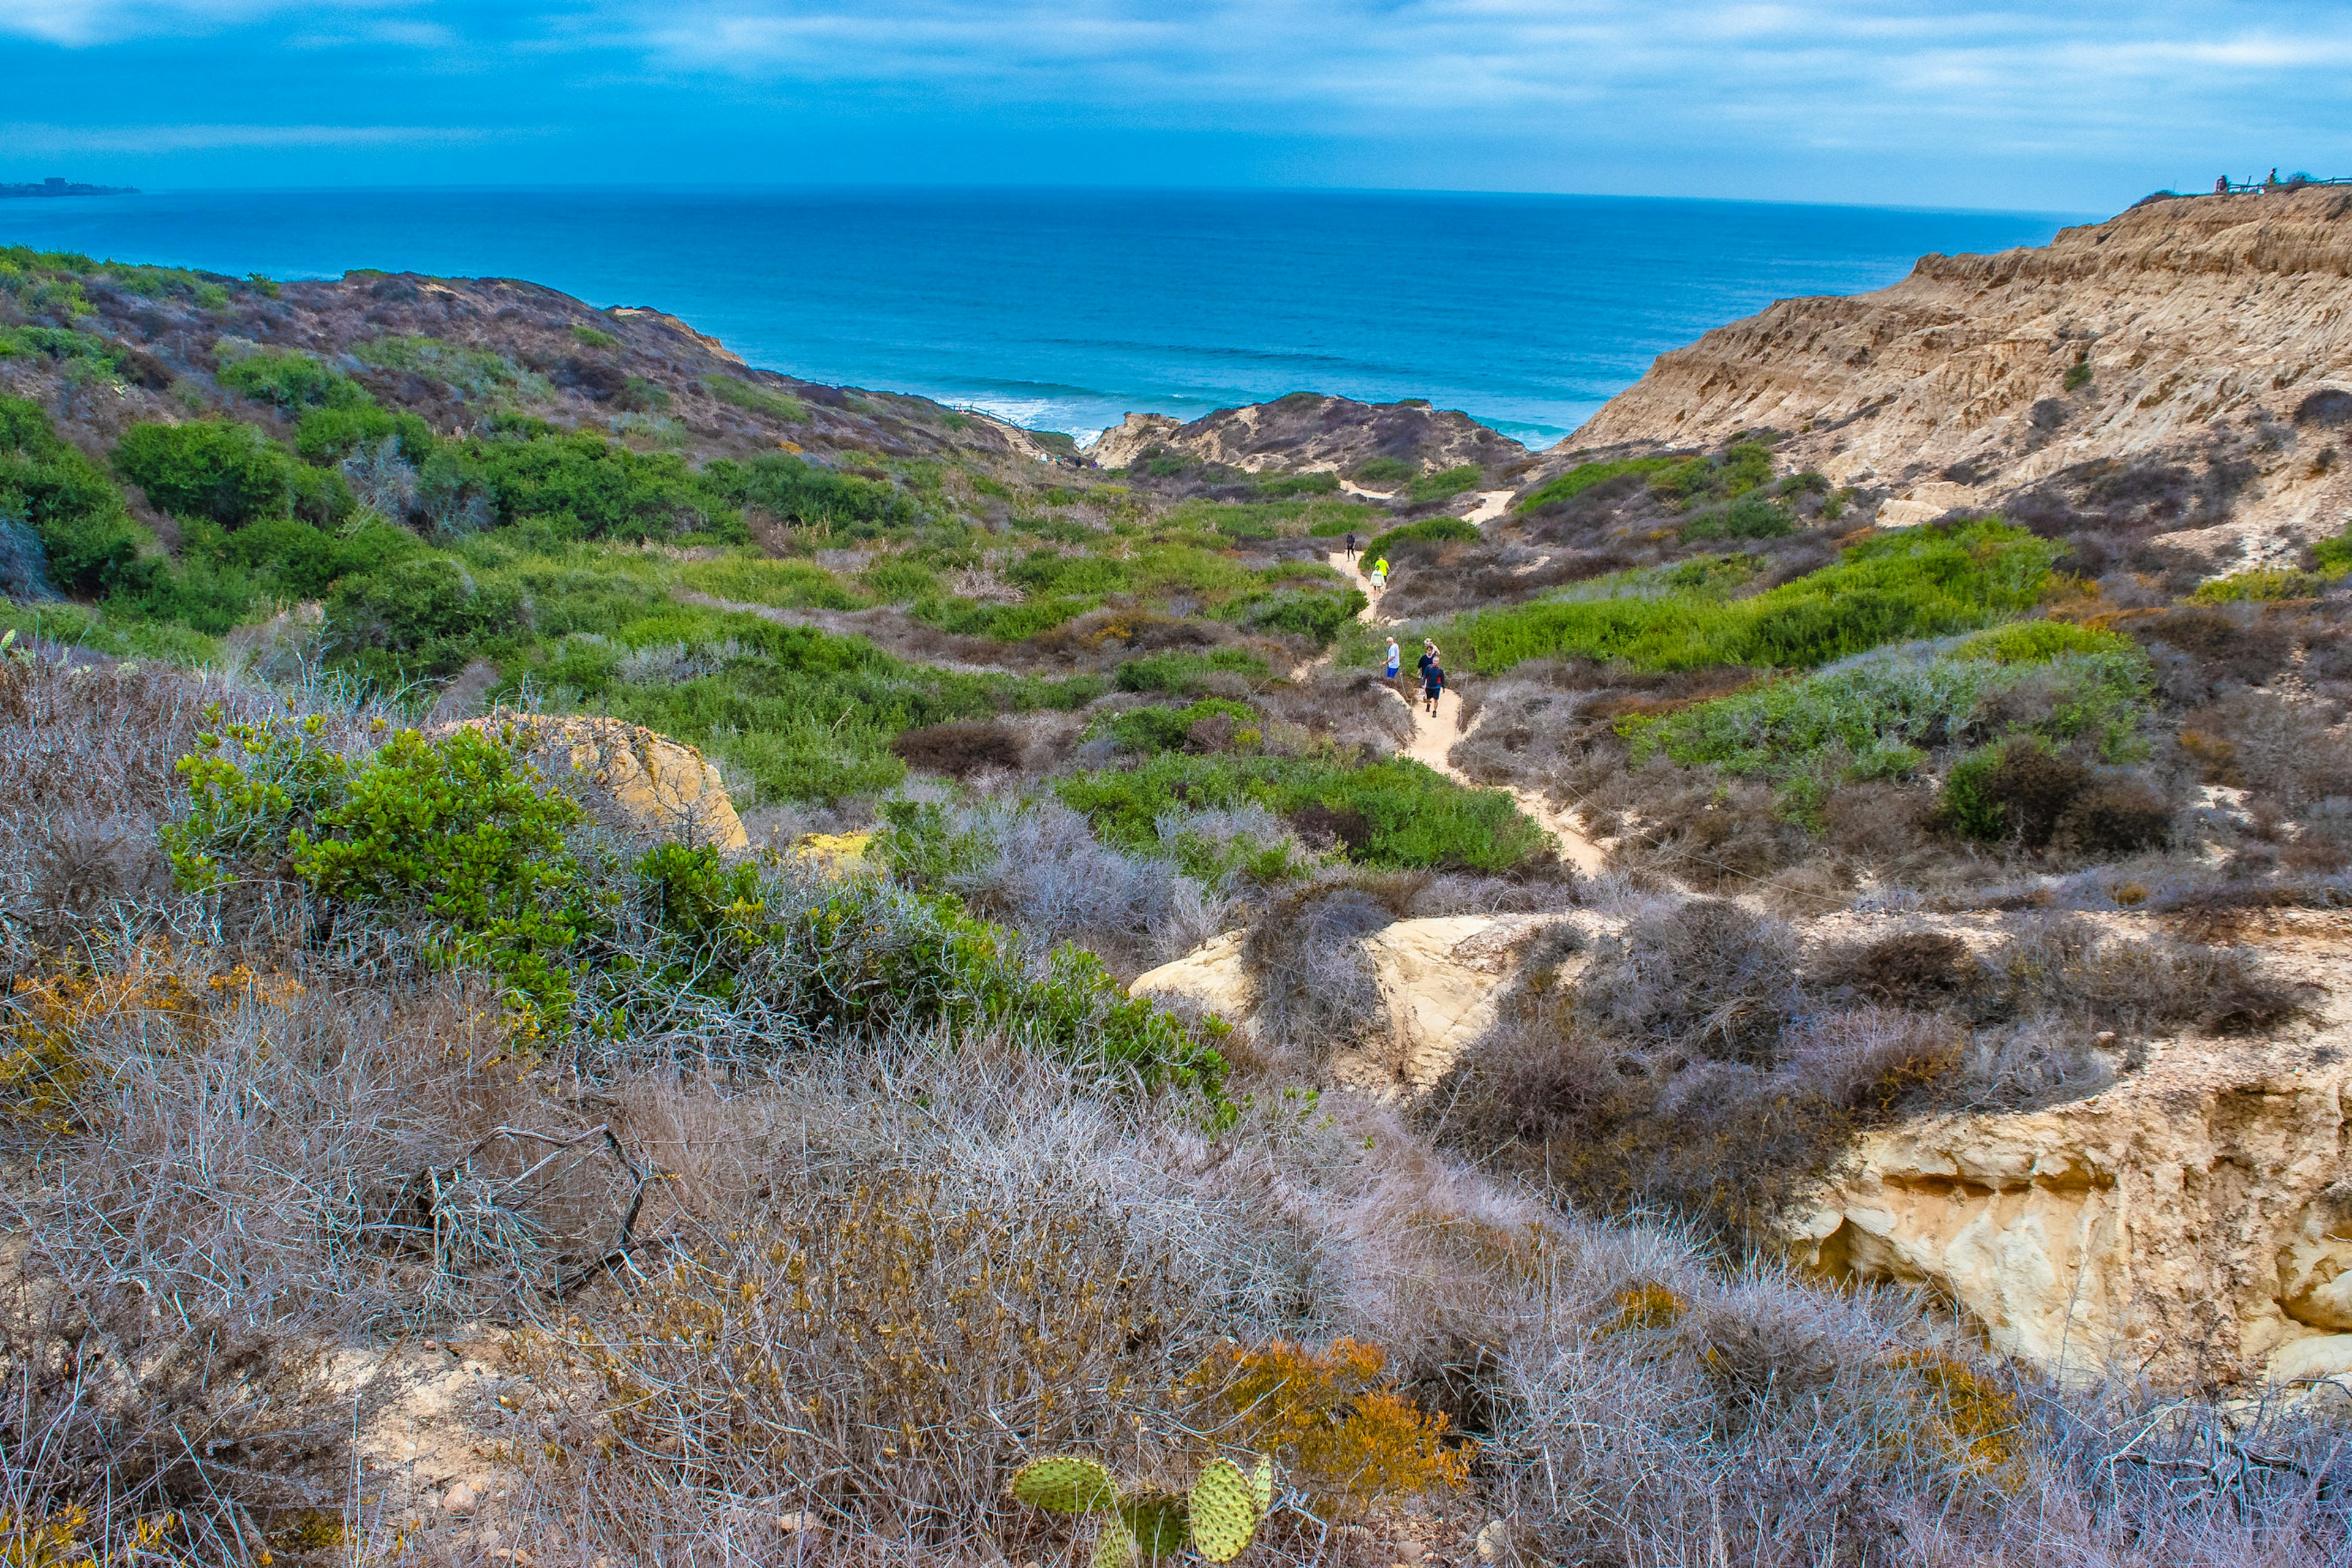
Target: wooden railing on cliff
{"points": [[2226, 186]]}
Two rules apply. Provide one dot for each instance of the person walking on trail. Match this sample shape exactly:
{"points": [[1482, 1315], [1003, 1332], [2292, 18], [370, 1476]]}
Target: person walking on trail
{"points": [[1396, 659], [1353, 553], [1379, 574], [1428, 655], [1433, 685]]}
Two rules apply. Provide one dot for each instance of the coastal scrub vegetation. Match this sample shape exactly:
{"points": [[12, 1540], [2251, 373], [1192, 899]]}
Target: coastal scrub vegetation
{"points": [[786, 1201]]}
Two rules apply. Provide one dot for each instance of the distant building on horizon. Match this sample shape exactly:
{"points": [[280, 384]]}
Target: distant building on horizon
{"points": [[56, 186]]}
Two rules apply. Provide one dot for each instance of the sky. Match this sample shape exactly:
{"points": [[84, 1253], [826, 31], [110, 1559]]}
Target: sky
{"points": [[2063, 105]]}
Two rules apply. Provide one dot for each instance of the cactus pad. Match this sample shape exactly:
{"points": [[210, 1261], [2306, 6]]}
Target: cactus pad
{"points": [[1224, 1511], [1156, 1522], [1064, 1483], [1262, 1484], [1115, 1547]]}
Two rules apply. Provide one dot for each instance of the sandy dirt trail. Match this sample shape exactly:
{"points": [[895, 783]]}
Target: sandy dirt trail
{"points": [[1433, 738]]}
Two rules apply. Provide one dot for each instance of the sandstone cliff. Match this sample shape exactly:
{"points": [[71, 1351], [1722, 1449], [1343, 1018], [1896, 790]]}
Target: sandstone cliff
{"points": [[2187, 363], [2193, 1222], [1306, 431]]}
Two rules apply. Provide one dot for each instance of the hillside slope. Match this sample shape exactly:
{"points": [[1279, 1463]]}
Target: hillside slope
{"points": [[2186, 365]]}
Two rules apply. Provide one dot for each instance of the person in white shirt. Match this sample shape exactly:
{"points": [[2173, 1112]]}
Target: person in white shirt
{"points": [[1396, 659]]}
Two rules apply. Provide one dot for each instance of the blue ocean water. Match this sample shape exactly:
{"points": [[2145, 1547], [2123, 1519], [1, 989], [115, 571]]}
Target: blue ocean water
{"points": [[1064, 309]]}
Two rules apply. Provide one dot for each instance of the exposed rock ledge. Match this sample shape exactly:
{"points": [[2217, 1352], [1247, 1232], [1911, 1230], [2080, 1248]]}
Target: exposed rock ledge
{"points": [[1309, 431], [2193, 1222]]}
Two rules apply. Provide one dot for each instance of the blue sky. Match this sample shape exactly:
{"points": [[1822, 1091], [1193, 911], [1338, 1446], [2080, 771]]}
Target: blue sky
{"points": [[2055, 106]]}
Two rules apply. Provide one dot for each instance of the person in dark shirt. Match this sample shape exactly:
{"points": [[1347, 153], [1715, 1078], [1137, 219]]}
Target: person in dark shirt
{"points": [[1432, 684]]}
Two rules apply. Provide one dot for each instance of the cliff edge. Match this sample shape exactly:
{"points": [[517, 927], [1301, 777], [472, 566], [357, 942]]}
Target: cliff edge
{"points": [[2187, 363]]}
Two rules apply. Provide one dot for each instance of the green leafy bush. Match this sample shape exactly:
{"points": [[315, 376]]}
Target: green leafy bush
{"points": [[593, 488], [1414, 816], [287, 378], [2090, 685], [460, 840], [476, 373], [1751, 516], [1187, 674], [1170, 729], [1441, 485], [794, 491], [1584, 476], [750, 396], [2260, 586], [88, 541], [1921, 581], [327, 434], [297, 560], [420, 616], [1318, 617], [215, 469], [593, 338], [1276, 486], [1428, 528], [1385, 471], [2019, 787]]}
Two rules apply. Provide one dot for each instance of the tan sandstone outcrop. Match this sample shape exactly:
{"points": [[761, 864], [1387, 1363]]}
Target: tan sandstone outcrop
{"points": [[654, 784], [2208, 325], [1308, 431], [2192, 1222], [1438, 981]]}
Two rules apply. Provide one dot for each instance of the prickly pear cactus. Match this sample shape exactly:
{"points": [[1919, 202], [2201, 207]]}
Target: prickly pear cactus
{"points": [[1067, 1483], [1262, 1484], [1115, 1547], [1156, 1522], [1224, 1511]]}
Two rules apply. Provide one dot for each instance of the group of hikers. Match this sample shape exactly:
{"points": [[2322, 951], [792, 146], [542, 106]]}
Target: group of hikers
{"points": [[1433, 671]]}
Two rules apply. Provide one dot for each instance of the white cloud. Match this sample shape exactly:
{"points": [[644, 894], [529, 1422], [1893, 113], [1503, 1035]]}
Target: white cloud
{"points": [[81, 24], [36, 137]]}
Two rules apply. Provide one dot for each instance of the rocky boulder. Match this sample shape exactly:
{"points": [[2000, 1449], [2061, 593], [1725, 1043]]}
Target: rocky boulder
{"points": [[643, 782]]}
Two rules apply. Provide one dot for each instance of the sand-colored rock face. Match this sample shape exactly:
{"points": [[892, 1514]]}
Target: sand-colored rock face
{"points": [[1438, 980], [2208, 324], [2194, 1221], [1308, 431], [657, 784]]}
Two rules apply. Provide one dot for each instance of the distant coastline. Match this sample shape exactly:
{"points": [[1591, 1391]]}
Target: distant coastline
{"points": [[54, 187]]}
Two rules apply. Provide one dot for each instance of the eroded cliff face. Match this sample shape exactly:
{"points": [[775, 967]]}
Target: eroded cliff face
{"points": [[2193, 1222], [2213, 337], [1307, 431]]}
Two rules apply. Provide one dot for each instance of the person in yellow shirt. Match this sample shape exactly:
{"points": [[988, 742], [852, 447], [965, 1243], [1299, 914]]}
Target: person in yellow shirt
{"points": [[1379, 574]]}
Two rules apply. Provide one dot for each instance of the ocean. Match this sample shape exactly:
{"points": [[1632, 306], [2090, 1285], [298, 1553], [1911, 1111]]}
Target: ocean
{"points": [[1064, 309]]}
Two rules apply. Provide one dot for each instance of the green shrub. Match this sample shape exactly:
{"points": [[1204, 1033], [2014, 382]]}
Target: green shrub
{"points": [[590, 487], [1276, 486], [460, 841], [1318, 618], [2022, 788], [783, 584], [420, 616], [56, 343], [1921, 581], [1752, 516], [2332, 558], [593, 338], [1187, 674], [1415, 817], [297, 560], [287, 378], [1169, 728], [88, 541], [792, 490], [1968, 805], [1880, 710], [1441, 485], [2078, 375], [781, 406], [215, 469], [328, 434], [1385, 471], [476, 373], [2260, 586], [1428, 528], [1584, 476]]}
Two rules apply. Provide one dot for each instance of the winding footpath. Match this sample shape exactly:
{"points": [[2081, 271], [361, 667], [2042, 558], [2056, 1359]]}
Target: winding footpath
{"points": [[1433, 737]]}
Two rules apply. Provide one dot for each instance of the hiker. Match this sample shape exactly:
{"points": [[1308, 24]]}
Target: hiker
{"points": [[1353, 553], [1432, 684], [1396, 659], [1428, 656], [1379, 574]]}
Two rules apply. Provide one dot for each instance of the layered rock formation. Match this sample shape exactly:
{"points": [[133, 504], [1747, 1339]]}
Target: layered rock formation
{"points": [[2193, 1222], [2187, 363], [1307, 431]]}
